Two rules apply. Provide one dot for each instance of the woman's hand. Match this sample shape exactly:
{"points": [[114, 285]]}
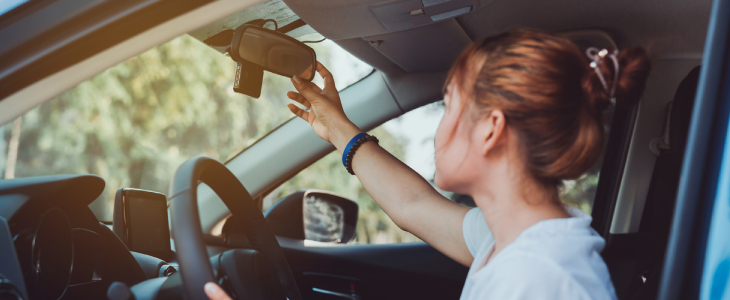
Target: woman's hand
{"points": [[215, 292], [325, 115]]}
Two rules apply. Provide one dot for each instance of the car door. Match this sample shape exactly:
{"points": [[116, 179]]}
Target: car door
{"points": [[697, 259], [394, 271]]}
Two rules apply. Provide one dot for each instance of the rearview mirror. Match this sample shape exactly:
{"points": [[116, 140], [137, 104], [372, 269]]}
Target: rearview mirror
{"points": [[256, 49]]}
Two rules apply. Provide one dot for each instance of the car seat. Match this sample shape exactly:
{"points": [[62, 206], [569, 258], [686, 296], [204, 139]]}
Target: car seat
{"points": [[635, 260]]}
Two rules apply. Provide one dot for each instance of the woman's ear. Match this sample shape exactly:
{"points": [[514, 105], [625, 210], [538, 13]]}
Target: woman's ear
{"points": [[490, 131]]}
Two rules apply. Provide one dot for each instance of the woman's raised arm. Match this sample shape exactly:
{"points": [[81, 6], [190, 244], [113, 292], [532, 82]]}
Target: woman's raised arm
{"points": [[407, 198]]}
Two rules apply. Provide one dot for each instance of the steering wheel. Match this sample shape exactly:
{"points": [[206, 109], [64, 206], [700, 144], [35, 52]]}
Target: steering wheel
{"points": [[195, 267]]}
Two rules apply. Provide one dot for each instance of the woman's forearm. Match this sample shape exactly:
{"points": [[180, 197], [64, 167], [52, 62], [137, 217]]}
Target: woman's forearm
{"points": [[406, 197], [391, 183]]}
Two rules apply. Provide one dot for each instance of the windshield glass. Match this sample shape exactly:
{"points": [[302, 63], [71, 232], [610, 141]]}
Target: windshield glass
{"points": [[136, 122], [8, 5]]}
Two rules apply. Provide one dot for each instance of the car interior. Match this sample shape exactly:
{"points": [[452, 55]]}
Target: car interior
{"points": [[54, 247]]}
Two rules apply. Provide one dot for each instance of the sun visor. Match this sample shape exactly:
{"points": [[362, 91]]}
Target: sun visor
{"points": [[424, 49]]}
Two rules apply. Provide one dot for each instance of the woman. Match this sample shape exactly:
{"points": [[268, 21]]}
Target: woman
{"points": [[523, 112]]}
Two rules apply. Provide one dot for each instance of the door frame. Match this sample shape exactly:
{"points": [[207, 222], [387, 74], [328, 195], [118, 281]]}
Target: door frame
{"points": [[684, 262]]}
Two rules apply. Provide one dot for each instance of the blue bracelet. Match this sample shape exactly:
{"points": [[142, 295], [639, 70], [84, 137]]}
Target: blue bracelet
{"points": [[352, 142]]}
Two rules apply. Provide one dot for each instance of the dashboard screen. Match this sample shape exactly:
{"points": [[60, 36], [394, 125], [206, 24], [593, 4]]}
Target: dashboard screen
{"points": [[148, 228]]}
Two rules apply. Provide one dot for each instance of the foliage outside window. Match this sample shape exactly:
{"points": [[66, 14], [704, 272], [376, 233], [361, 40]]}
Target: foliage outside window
{"points": [[136, 122]]}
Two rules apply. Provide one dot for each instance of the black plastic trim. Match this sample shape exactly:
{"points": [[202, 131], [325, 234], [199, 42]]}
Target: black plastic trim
{"points": [[10, 270], [291, 26], [385, 272], [612, 168]]}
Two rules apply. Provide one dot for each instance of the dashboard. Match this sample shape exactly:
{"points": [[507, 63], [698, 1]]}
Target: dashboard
{"points": [[62, 251]]}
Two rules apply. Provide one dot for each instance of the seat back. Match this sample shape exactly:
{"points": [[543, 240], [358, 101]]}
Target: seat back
{"points": [[635, 260]]}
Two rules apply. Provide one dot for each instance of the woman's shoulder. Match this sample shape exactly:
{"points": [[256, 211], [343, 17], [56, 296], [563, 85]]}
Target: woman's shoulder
{"points": [[565, 271], [524, 275], [524, 264], [570, 244]]}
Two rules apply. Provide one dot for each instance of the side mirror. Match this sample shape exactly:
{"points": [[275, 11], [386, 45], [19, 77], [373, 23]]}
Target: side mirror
{"points": [[314, 215], [256, 49]]}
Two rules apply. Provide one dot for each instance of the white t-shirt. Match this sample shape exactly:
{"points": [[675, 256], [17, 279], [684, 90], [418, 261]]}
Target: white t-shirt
{"points": [[553, 259]]}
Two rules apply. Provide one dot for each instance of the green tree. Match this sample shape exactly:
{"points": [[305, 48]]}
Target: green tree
{"points": [[136, 122]]}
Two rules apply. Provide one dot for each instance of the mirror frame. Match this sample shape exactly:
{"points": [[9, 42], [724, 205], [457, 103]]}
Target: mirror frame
{"points": [[236, 41], [286, 216], [347, 205]]}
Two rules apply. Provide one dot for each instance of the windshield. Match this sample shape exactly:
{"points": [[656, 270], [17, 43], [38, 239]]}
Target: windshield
{"points": [[136, 122], [8, 5]]}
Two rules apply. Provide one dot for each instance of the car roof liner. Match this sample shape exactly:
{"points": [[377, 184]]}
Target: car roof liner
{"points": [[666, 30]]}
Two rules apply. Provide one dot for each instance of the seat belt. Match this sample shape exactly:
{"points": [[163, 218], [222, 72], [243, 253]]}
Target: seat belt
{"points": [[662, 195], [658, 212]]}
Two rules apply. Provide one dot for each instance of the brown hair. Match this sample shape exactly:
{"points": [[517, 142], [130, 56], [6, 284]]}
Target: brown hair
{"points": [[549, 95]]}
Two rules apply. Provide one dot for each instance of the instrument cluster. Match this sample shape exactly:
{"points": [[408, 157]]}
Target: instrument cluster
{"points": [[55, 256]]}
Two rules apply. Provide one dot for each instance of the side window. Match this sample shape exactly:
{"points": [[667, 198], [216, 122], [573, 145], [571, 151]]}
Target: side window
{"points": [[373, 225], [409, 138], [581, 192]]}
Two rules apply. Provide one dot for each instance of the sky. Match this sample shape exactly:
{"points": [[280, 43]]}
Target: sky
{"points": [[418, 127]]}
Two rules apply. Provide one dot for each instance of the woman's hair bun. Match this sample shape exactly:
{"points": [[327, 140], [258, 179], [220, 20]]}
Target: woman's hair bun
{"points": [[634, 68]]}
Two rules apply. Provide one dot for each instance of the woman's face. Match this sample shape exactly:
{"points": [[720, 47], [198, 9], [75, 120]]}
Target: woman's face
{"points": [[454, 159]]}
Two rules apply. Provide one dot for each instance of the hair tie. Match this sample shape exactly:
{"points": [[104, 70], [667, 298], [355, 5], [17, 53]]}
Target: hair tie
{"points": [[597, 56]]}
